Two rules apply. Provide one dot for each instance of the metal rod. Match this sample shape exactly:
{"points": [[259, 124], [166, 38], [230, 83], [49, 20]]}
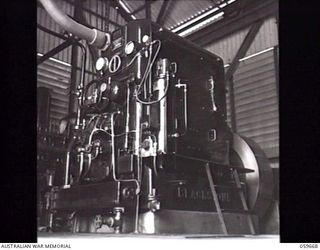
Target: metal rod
{"points": [[136, 221], [185, 95], [127, 128], [74, 63], [216, 200], [44, 29], [243, 200], [67, 164], [55, 51]]}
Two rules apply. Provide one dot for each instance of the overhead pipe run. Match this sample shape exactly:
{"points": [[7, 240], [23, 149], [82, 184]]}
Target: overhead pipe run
{"points": [[94, 37]]}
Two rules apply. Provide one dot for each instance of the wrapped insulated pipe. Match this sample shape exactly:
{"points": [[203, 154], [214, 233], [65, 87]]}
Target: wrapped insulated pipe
{"points": [[94, 37]]}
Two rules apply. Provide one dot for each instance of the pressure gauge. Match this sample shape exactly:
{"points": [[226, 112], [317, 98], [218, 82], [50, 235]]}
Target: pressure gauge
{"points": [[102, 63], [103, 87], [145, 38], [129, 48]]}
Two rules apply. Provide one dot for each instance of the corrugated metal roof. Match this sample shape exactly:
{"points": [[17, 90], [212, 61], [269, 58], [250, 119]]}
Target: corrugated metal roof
{"points": [[178, 12]]}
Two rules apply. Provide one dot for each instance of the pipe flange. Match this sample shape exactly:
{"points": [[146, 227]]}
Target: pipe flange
{"points": [[95, 36]]}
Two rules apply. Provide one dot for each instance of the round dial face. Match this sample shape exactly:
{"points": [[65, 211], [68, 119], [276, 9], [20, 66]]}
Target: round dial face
{"points": [[129, 48], [103, 87], [145, 38], [101, 63]]}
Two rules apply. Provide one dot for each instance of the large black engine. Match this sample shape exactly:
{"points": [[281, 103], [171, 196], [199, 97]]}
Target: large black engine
{"points": [[150, 150]]}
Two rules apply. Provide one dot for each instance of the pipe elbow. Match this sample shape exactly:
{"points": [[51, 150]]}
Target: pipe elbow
{"points": [[94, 37]]}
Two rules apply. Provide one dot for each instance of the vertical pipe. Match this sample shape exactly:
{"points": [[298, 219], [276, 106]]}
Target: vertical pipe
{"points": [[162, 141], [137, 129], [67, 163], [138, 106], [81, 164], [74, 63], [148, 9], [138, 113], [149, 174], [161, 84], [127, 129], [107, 14]]}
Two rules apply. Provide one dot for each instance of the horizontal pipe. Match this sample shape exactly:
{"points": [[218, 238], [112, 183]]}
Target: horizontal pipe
{"points": [[94, 37]]}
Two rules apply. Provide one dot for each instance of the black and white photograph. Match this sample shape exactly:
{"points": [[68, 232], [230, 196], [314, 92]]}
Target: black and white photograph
{"points": [[157, 118]]}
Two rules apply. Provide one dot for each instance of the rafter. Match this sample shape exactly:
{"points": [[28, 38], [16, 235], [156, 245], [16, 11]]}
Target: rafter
{"points": [[126, 16], [148, 9], [161, 16]]}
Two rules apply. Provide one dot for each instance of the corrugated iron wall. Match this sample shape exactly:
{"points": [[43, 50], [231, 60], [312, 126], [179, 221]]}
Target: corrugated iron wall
{"points": [[227, 47], [255, 87], [55, 76], [45, 41], [256, 102]]}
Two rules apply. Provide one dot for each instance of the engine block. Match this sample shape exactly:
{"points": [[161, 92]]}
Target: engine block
{"points": [[151, 151]]}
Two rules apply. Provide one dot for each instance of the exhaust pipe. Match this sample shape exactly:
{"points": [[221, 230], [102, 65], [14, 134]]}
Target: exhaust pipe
{"points": [[94, 37]]}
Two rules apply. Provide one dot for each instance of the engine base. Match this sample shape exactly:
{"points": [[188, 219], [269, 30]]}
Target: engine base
{"points": [[175, 222]]}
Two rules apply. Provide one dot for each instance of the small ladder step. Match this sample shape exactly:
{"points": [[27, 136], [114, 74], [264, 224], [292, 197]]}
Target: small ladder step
{"points": [[237, 211], [243, 200], [216, 200]]}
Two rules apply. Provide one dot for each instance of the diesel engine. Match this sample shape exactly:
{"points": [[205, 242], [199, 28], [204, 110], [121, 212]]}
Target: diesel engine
{"points": [[150, 151]]}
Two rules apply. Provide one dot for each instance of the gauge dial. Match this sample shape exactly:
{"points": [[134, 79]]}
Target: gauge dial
{"points": [[102, 63], [129, 48]]}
